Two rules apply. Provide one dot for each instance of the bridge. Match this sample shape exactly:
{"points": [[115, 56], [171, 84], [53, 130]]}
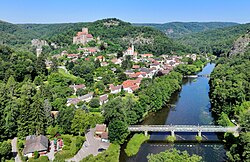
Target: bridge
{"points": [[182, 128], [196, 76]]}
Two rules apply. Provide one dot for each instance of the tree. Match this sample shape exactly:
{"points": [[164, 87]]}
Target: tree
{"points": [[94, 103], [80, 122], [41, 66], [118, 131], [54, 66], [173, 155], [5, 150], [65, 118]]}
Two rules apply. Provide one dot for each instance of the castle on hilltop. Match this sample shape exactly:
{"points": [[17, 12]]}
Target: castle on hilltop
{"points": [[82, 37]]}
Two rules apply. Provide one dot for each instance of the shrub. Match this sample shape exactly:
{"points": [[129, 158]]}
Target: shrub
{"points": [[171, 139], [36, 155]]}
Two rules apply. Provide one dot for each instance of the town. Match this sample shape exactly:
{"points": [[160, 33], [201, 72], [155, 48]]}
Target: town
{"points": [[115, 74]]}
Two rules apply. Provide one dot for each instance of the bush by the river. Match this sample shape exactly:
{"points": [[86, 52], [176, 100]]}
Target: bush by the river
{"points": [[173, 155]]}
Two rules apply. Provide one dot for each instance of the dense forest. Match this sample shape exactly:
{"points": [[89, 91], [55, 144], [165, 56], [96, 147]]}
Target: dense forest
{"points": [[116, 33], [218, 41], [230, 96], [180, 29]]}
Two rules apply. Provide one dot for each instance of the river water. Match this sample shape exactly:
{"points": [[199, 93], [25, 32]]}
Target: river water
{"points": [[189, 106]]}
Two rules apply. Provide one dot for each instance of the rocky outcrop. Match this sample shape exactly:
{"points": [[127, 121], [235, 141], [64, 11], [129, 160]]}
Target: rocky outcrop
{"points": [[240, 45]]}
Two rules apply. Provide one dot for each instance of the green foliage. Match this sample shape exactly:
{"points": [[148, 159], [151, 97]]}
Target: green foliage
{"points": [[171, 139], [173, 155], [40, 159], [5, 150], [36, 155], [118, 131], [110, 155], [217, 41], [181, 29], [72, 144], [198, 138], [134, 144], [224, 120], [229, 94], [94, 103]]}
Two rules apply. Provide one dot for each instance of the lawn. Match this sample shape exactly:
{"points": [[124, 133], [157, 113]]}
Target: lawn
{"points": [[134, 144]]}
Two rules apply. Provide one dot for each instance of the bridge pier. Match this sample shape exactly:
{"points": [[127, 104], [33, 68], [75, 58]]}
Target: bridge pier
{"points": [[199, 133], [172, 133], [146, 133]]}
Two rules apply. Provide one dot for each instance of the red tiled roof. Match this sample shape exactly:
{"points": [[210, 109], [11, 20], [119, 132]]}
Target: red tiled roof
{"points": [[137, 74], [100, 127], [136, 66], [89, 36]]}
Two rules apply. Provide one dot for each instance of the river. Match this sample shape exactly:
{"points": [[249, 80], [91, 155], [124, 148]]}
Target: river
{"points": [[189, 106]]}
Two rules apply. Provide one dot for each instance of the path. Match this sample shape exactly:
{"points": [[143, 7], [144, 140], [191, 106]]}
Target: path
{"points": [[90, 146], [15, 150]]}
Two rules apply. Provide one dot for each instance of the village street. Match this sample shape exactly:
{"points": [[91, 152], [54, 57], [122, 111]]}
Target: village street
{"points": [[90, 146]]}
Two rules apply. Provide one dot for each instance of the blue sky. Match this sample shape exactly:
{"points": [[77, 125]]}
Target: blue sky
{"points": [[141, 11]]}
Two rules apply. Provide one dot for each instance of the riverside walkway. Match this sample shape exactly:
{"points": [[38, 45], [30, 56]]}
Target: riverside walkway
{"points": [[182, 128]]}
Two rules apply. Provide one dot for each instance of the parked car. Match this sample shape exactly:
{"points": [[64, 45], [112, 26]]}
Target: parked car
{"points": [[101, 149]]}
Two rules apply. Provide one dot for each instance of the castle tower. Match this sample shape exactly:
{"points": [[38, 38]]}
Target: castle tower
{"points": [[85, 30]]}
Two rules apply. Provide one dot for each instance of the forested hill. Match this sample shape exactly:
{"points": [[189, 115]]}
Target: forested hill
{"points": [[114, 32], [179, 29], [217, 41]]}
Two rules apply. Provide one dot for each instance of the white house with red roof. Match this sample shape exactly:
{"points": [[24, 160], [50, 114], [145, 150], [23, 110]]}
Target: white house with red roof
{"points": [[131, 85], [115, 89]]}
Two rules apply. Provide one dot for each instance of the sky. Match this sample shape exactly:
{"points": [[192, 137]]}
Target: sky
{"points": [[134, 11]]}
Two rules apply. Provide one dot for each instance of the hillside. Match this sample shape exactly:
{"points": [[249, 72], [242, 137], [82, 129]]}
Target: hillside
{"points": [[179, 29], [114, 32], [12, 34], [217, 41]]}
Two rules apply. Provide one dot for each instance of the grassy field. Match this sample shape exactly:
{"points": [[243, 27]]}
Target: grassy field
{"points": [[134, 144], [61, 71]]}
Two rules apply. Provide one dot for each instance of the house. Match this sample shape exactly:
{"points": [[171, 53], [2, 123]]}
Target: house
{"points": [[115, 89], [131, 85], [155, 65], [146, 55], [136, 67], [100, 58], [83, 37], [87, 97], [77, 87], [129, 72], [116, 61], [105, 137], [104, 64], [36, 143], [101, 132], [103, 99], [71, 56], [73, 101], [99, 129], [138, 75], [89, 50]]}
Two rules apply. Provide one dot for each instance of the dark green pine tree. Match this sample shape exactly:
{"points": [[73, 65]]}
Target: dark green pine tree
{"points": [[41, 66], [26, 115], [38, 114]]}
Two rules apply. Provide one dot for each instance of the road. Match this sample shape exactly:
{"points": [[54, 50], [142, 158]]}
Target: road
{"points": [[15, 150], [90, 146]]}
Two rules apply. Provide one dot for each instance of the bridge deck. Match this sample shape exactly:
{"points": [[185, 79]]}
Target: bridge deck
{"points": [[181, 128]]}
